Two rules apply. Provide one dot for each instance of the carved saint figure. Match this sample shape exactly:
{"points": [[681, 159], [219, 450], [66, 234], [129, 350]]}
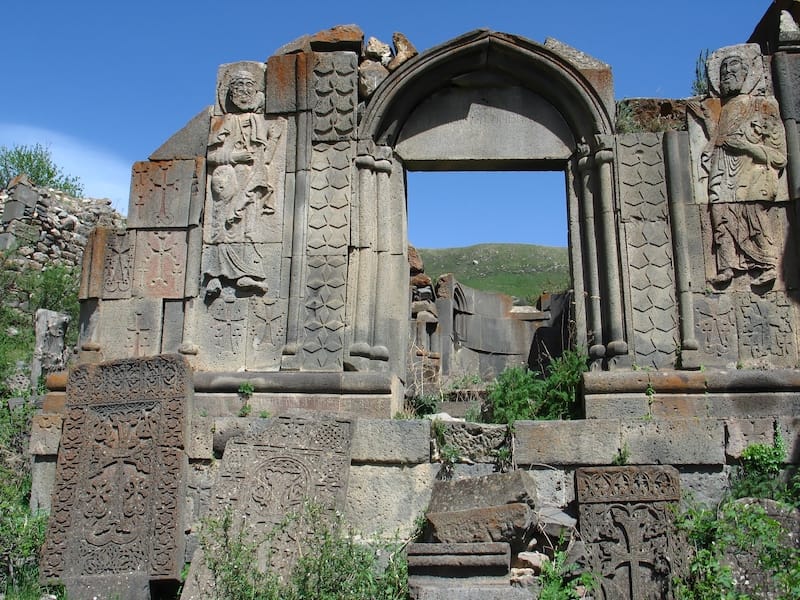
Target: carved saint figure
{"points": [[743, 159], [243, 140], [237, 263]]}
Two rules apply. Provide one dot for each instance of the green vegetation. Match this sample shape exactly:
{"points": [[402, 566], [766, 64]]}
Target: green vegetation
{"points": [[520, 270], [53, 288], [521, 394], [333, 567], [37, 163], [700, 83], [21, 533], [560, 582], [742, 527]]}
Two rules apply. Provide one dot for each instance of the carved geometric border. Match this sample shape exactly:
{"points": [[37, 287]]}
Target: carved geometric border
{"points": [[627, 484]]}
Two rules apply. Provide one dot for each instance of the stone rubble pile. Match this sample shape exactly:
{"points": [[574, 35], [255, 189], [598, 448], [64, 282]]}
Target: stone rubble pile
{"points": [[48, 227]]}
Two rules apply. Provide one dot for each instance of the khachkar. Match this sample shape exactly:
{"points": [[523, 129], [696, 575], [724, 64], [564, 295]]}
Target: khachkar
{"points": [[275, 484], [116, 519], [627, 523]]}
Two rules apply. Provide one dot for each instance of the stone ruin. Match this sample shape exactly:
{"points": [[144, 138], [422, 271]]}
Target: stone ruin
{"points": [[264, 269]]}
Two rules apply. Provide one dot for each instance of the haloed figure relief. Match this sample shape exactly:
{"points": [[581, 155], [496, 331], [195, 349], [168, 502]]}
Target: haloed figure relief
{"points": [[240, 149], [743, 160]]}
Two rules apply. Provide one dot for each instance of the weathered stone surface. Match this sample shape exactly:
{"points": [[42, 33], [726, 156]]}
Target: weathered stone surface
{"points": [[50, 354], [270, 474], [162, 192], [378, 51], [384, 501], [45, 434], [497, 523], [334, 96], [479, 442], [187, 143], [338, 38], [121, 468], [479, 492], [391, 441], [626, 525], [455, 590], [740, 433], [448, 127], [160, 264], [43, 476], [675, 442], [403, 50], [370, 76], [591, 442], [117, 586]]}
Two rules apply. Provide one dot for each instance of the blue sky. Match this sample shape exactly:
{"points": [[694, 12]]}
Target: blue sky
{"points": [[104, 83]]}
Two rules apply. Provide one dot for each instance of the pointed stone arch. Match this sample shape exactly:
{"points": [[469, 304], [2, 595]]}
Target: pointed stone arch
{"points": [[554, 108]]}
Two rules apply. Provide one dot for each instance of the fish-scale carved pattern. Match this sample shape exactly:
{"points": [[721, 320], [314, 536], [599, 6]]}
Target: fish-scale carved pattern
{"points": [[335, 96], [652, 276]]}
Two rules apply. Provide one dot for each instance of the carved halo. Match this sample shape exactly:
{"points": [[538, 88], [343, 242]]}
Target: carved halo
{"points": [[226, 72], [750, 54]]}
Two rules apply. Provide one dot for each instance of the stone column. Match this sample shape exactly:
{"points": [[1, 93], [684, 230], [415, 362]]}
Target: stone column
{"points": [[615, 333], [586, 170]]}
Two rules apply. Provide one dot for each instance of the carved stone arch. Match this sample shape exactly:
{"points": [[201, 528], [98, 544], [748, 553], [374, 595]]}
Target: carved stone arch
{"points": [[565, 113]]}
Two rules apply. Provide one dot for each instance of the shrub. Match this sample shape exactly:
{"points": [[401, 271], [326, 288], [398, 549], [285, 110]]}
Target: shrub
{"points": [[37, 163], [338, 567], [519, 393]]}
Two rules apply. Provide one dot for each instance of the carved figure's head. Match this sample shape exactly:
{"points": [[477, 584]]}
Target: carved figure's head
{"points": [[223, 183], [732, 75], [243, 92]]}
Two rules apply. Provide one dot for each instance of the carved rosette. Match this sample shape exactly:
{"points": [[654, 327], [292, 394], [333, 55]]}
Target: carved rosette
{"points": [[626, 523], [335, 96], [120, 471]]}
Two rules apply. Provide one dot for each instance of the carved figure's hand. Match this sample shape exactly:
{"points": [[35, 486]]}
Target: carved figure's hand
{"points": [[242, 156]]}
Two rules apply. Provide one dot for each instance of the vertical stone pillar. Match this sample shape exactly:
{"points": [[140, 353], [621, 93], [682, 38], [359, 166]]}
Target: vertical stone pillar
{"points": [[595, 325], [615, 333]]}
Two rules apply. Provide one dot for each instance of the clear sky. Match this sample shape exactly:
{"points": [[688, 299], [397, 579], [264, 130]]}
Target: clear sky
{"points": [[104, 83]]}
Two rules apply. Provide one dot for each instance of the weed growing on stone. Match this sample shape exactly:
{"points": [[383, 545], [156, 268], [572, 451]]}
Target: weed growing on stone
{"points": [[21, 533], [738, 526], [333, 565], [559, 583], [246, 389], [520, 394]]}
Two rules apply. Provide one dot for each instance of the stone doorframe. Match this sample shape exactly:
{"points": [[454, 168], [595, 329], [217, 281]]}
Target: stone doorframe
{"points": [[422, 118]]}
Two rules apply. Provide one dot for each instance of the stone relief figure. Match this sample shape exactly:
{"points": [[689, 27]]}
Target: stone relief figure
{"points": [[743, 159], [240, 149]]}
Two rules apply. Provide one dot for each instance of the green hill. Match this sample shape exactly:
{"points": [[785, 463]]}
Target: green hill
{"points": [[521, 270]]}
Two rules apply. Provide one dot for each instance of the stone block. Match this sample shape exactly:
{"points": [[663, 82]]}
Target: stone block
{"points": [[486, 555], [337, 39], [502, 523], [588, 442], [392, 441], [43, 476], [789, 428], [162, 192], [333, 96], [118, 586], [54, 402], [281, 97], [675, 442], [740, 433], [189, 142], [467, 590], [13, 210], [616, 406], [125, 429], [554, 487], [201, 438], [45, 434], [706, 485], [478, 442], [160, 264], [479, 492], [384, 502]]}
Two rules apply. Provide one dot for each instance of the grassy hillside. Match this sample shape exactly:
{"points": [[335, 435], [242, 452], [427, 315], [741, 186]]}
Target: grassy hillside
{"points": [[521, 270]]}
